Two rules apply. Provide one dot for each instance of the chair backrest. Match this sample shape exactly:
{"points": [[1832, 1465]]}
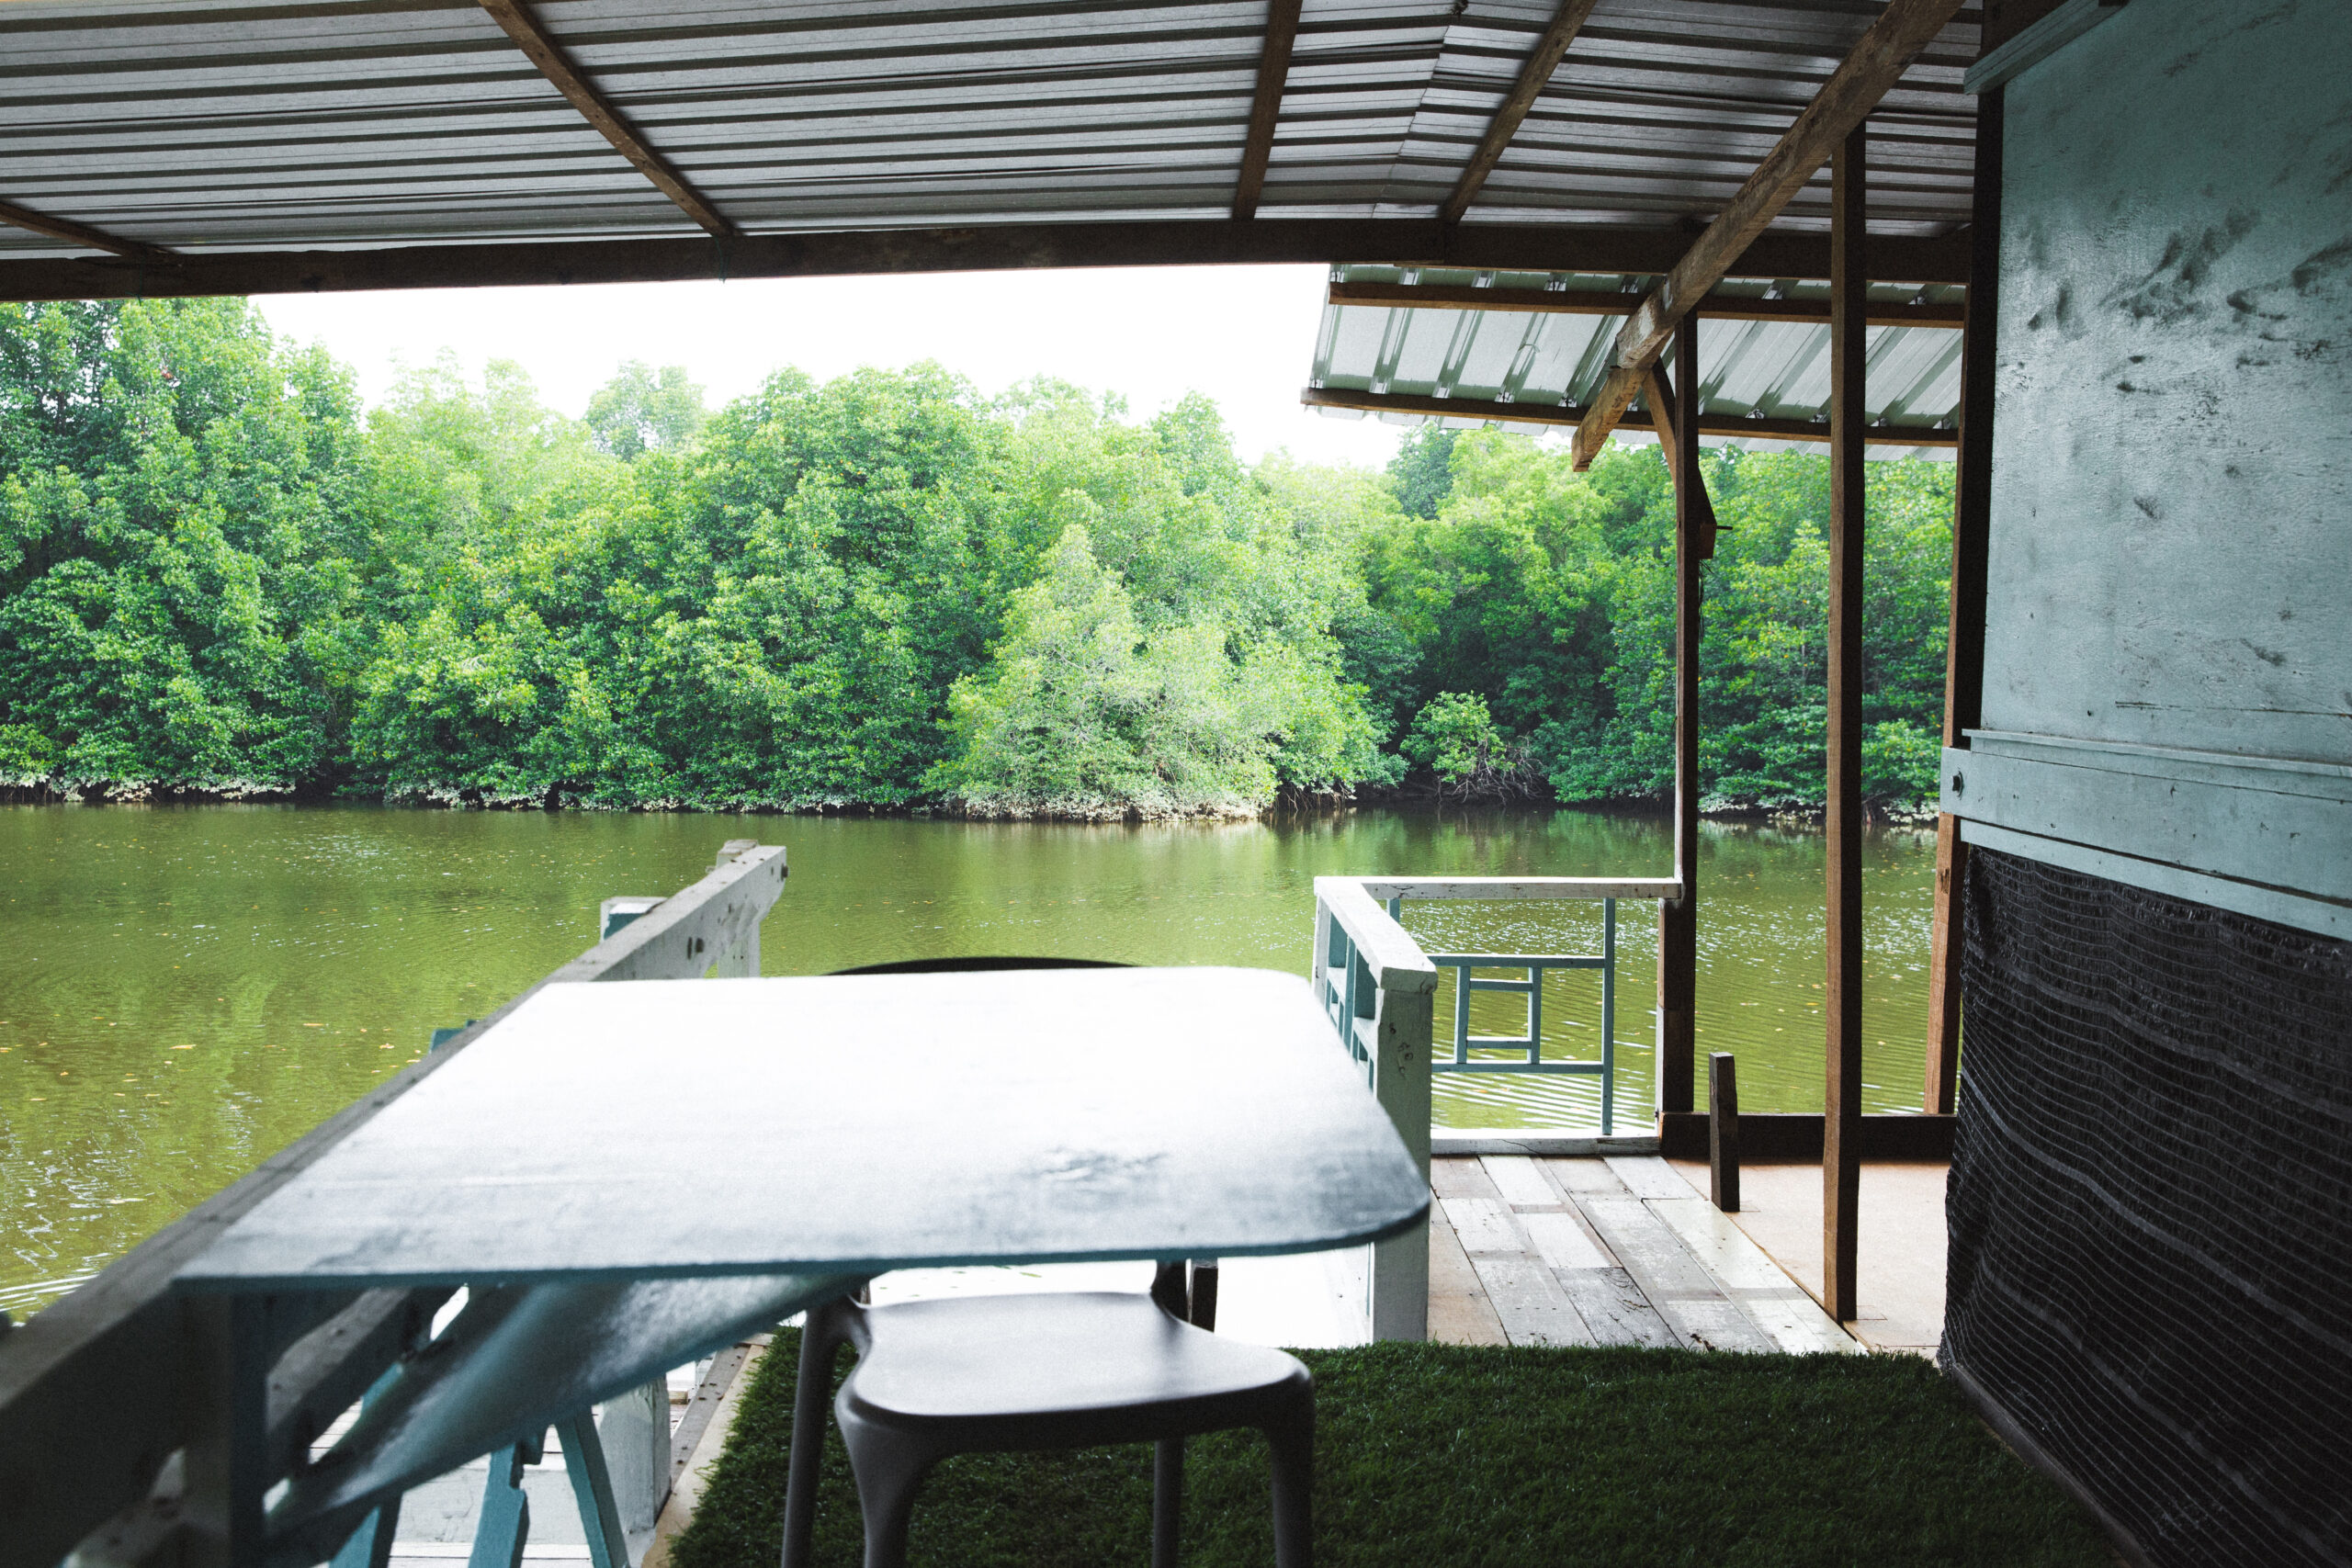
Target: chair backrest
{"points": [[1172, 1285], [977, 965]]}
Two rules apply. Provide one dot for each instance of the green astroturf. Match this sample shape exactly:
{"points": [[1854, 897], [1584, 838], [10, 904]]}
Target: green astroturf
{"points": [[1440, 1454]]}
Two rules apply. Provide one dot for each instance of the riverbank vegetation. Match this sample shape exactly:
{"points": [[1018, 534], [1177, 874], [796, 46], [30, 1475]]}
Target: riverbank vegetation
{"points": [[218, 574]]}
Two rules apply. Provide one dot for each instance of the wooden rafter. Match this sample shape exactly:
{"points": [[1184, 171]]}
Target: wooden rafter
{"points": [[1266, 106], [1877, 63], [1593, 303], [1571, 414], [843, 253], [1542, 62], [555, 65], [82, 234]]}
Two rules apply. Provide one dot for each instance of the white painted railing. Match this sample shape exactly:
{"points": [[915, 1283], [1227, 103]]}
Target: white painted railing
{"points": [[109, 1398], [1379, 990]]}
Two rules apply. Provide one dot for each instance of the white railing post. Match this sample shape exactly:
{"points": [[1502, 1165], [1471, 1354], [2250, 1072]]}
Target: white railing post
{"points": [[1400, 1265], [1391, 1028]]}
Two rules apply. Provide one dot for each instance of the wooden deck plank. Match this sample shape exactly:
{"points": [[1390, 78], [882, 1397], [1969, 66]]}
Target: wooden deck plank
{"points": [[1483, 1225], [1647, 1175], [1579, 1177], [1789, 1317], [1534, 1307], [1682, 1291], [1614, 1309], [1562, 1243], [1460, 1311], [1462, 1178], [1552, 1172], [1518, 1180]]}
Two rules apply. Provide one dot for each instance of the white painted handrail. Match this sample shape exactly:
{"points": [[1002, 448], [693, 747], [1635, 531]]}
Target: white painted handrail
{"points": [[99, 1390], [1397, 961], [1378, 987], [1471, 887]]}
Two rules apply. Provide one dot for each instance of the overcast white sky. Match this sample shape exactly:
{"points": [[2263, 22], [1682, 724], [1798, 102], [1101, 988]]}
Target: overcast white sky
{"points": [[1245, 335]]}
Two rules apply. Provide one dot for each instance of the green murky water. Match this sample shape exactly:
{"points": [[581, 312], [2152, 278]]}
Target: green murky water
{"points": [[184, 990]]}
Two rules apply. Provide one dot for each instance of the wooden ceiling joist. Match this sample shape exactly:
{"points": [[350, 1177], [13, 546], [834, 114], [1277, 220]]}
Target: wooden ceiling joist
{"points": [[82, 234], [1542, 62], [1266, 108], [1592, 302], [1570, 414], [1877, 63], [841, 253], [555, 65]]}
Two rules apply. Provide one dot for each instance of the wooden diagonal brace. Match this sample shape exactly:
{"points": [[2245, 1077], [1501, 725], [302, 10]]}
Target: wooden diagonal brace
{"points": [[1660, 398], [524, 28], [1877, 63]]}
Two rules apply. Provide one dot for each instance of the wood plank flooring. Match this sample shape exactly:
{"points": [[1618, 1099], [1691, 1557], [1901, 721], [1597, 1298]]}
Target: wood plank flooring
{"points": [[1603, 1251]]}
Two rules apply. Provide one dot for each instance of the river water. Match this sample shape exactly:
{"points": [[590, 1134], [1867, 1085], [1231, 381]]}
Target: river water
{"points": [[184, 990]]}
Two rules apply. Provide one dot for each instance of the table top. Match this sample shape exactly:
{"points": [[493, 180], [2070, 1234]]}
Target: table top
{"points": [[850, 1125]]}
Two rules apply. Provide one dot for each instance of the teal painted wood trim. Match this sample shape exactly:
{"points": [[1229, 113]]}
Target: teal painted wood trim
{"points": [[2292, 843], [2285, 775], [2239, 897], [2038, 42], [592, 1488], [504, 1526]]}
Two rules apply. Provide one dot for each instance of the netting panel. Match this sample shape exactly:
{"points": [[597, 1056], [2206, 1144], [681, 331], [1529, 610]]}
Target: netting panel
{"points": [[2151, 1208]]}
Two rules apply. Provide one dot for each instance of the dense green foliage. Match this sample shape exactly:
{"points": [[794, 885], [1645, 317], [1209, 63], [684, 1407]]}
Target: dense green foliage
{"points": [[217, 574], [1453, 1454]]}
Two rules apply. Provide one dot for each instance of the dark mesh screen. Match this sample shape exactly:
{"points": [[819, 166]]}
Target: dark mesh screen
{"points": [[2151, 1208]]}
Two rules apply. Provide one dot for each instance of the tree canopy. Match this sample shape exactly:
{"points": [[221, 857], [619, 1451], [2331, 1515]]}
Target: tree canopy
{"points": [[219, 573]]}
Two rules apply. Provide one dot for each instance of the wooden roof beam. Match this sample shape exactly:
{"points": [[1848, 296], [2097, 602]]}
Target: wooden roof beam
{"points": [[1542, 62], [82, 234], [1593, 303], [838, 253], [533, 40], [1877, 63], [1266, 108], [1639, 419]]}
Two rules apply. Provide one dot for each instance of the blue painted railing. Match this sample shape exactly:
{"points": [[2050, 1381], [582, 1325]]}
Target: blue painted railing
{"points": [[1531, 968], [1345, 987]]}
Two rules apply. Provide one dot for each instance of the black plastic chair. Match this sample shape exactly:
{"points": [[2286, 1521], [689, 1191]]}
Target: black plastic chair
{"points": [[1051, 1371]]}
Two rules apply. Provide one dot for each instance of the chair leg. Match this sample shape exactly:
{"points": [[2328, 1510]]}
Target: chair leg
{"points": [[1293, 1446], [1166, 1500], [820, 1340], [889, 1467]]}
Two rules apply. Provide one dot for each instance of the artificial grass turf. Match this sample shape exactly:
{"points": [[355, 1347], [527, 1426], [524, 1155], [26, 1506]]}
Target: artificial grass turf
{"points": [[1457, 1455]]}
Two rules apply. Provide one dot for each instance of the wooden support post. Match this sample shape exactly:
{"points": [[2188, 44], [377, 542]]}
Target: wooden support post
{"points": [[1722, 1133], [1677, 919], [1841, 1103], [1972, 515]]}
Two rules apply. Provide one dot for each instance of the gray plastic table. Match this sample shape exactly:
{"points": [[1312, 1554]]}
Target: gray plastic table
{"points": [[628, 1176]]}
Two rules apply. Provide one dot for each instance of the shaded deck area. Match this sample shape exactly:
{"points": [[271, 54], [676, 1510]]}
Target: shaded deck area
{"points": [[1629, 1251]]}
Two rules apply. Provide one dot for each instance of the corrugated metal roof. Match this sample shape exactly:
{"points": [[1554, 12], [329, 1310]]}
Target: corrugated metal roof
{"points": [[1777, 370], [253, 124]]}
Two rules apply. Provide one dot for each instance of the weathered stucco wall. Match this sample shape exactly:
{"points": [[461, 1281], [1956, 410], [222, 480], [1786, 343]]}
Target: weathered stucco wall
{"points": [[2169, 667]]}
